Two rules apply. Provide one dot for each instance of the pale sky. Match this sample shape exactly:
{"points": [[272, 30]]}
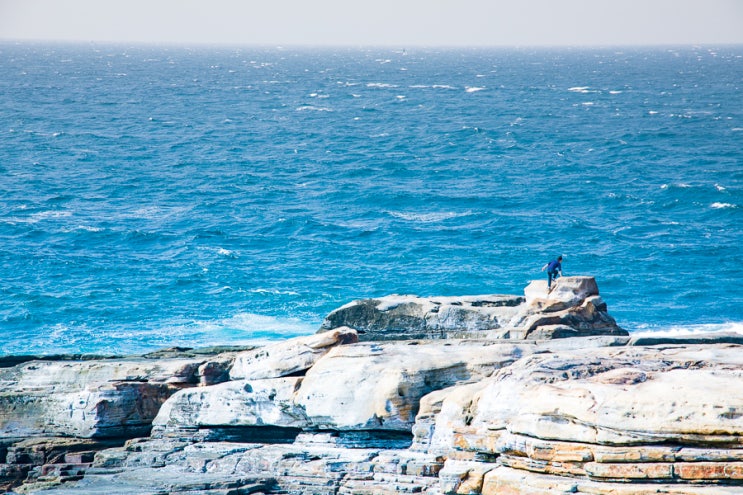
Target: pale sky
{"points": [[399, 23]]}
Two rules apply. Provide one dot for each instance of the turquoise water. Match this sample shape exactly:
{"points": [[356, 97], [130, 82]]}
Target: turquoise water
{"points": [[155, 196]]}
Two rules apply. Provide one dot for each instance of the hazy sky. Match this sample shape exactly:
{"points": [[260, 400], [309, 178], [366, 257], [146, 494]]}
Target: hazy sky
{"points": [[398, 23]]}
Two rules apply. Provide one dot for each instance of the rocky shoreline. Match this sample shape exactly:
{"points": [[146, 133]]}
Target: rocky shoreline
{"points": [[536, 394]]}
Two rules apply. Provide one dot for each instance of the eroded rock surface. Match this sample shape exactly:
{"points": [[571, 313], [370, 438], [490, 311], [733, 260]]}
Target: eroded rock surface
{"points": [[573, 308], [325, 414]]}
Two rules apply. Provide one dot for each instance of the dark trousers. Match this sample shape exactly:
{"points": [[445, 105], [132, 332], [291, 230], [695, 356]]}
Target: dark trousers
{"points": [[550, 277]]}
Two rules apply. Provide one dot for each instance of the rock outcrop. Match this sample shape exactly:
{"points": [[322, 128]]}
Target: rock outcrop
{"points": [[573, 308], [324, 414], [590, 419]]}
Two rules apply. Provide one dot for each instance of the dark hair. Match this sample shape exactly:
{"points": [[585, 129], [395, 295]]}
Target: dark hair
{"points": [[559, 258]]}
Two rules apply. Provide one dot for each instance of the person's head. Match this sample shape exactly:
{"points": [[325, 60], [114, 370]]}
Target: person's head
{"points": [[559, 258]]}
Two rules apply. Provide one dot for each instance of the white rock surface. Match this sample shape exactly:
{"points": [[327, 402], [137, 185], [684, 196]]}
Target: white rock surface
{"points": [[289, 356]]}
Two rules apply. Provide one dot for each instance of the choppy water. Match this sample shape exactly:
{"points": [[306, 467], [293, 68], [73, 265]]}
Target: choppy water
{"points": [[155, 196]]}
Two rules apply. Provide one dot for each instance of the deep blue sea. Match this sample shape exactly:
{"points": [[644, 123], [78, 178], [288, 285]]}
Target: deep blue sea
{"points": [[161, 196]]}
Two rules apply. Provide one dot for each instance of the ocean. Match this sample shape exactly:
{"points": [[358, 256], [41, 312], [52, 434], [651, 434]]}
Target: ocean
{"points": [[170, 196]]}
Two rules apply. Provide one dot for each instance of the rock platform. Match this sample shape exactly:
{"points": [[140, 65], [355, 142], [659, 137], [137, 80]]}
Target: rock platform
{"points": [[534, 394]]}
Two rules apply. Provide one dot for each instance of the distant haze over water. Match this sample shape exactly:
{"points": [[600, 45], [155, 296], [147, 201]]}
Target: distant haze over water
{"points": [[153, 197]]}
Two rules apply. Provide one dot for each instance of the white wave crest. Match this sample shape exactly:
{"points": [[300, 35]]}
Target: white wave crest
{"points": [[687, 330], [312, 108], [580, 89], [275, 292], [227, 253], [38, 217], [473, 89], [381, 85], [718, 206], [427, 217], [83, 228]]}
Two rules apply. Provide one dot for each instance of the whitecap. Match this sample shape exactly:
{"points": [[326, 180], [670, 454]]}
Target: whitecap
{"points": [[275, 292], [615, 92], [579, 89], [84, 228], [427, 217], [719, 187], [443, 86], [312, 108], [473, 89], [227, 253], [380, 85], [43, 215], [588, 103], [717, 205], [687, 330]]}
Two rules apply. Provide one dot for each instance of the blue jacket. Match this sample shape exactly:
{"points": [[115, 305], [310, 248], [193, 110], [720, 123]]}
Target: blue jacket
{"points": [[554, 266]]}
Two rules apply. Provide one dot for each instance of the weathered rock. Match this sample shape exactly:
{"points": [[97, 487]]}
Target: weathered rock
{"points": [[487, 415], [411, 317], [573, 308], [507, 481], [232, 404], [102, 399], [88, 398], [377, 386], [609, 414], [463, 477], [290, 356]]}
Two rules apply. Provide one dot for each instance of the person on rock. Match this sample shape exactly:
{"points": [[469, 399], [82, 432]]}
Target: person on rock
{"points": [[553, 268]]}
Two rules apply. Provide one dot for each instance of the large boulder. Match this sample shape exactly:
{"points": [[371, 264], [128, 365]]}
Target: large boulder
{"points": [[573, 308], [262, 404], [400, 317]]}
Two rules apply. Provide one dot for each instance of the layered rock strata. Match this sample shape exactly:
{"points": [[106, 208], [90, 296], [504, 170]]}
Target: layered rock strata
{"points": [[573, 308], [326, 414]]}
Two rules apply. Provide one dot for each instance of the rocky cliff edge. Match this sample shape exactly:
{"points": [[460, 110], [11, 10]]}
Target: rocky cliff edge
{"points": [[534, 394]]}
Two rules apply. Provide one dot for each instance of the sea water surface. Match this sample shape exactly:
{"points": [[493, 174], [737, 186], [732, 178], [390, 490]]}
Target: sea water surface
{"points": [[162, 196]]}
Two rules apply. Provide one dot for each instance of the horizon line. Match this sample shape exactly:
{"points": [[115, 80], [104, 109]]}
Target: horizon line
{"points": [[394, 46]]}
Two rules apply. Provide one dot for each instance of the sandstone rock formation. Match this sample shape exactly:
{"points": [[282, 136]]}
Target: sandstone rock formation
{"points": [[573, 308], [655, 418], [325, 414]]}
